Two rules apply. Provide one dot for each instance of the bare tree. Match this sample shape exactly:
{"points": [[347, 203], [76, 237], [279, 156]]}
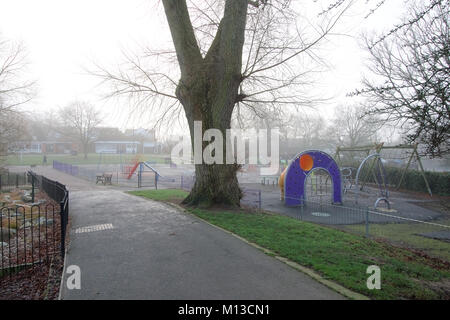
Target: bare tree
{"points": [[12, 128], [232, 55], [373, 5], [14, 91], [351, 126], [80, 118], [309, 127], [412, 83]]}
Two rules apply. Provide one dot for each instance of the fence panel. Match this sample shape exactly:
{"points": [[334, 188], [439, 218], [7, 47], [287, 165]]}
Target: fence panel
{"points": [[32, 232], [431, 237], [10, 180]]}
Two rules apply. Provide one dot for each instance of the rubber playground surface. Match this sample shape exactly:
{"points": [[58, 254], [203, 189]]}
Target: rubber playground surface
{"points": [[348, 213]]}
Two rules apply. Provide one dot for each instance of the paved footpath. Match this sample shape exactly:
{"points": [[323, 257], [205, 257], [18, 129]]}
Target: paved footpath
{"points": [[155, 251]]}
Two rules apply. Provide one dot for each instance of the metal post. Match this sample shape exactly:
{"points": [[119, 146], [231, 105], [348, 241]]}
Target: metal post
{"points": [[63, 229], [32, 188], [181, 182], [422, 172], [406, 169], [140, 176], [259, 199], [367, 222], [156, 180], [302, 203]]}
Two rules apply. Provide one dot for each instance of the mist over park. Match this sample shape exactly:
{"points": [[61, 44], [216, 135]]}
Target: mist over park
{"points": [[224, 150]]}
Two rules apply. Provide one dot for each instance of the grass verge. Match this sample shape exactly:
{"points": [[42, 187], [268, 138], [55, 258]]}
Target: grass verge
{"points": [[410, 235], [170, 195], [338, 256]]}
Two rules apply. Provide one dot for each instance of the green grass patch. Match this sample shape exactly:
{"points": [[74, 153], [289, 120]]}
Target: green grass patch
{"points": [[162, 195], [93, 158], [408, 235], [336, 255]]}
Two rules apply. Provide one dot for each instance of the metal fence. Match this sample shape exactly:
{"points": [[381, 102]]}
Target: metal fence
{"points": [[32, 231], [143, 177], [10, 180], [187, 182], [118, 175], [429, 236], [401, 228], [74, 170], [252, 197]]}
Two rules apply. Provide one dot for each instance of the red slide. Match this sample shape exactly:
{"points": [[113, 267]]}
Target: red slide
{"points": [[133, 170]]}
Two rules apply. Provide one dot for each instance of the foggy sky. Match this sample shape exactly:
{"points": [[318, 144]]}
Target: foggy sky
{"points": [[63, 37]]}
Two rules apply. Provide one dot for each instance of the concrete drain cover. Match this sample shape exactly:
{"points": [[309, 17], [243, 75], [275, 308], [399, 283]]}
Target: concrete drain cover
{"points": [[97, 227], [320, 214]]}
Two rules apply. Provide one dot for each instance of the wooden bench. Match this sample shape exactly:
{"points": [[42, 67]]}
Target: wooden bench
{"points": [[104, 178]]}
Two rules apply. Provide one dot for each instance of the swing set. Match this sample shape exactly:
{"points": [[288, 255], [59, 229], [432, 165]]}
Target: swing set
{"points": [[398, 154]]}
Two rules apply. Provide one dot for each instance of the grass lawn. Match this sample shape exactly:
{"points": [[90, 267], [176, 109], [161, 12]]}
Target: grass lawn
{"points": [[162, 195], [93, 158], [407, 234], [336, 255]]}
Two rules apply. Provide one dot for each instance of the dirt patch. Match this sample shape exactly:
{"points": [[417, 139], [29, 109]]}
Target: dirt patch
{"points": [[33, 241], [176, 201], [39, 282], [434, 262], [30, 232]]}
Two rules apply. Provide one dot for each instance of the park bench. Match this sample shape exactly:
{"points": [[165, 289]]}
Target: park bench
{"points": [[104, 178]]}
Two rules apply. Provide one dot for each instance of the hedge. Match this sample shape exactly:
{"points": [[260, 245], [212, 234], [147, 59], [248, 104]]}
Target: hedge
{"points": [[439, 181]]}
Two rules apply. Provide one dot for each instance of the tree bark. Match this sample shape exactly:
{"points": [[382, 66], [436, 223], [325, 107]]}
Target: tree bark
{"points": [[208, 91], [204, 100]]}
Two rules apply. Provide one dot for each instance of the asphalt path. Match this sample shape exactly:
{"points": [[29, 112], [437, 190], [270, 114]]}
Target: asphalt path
{"points": [[128, 247]]}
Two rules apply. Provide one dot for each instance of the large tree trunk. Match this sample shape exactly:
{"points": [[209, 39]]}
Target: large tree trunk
{"points": [[202, 101], [208, 91]]}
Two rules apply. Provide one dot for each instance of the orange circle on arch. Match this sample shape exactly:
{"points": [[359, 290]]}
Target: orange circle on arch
{"points": [[306, 162]]}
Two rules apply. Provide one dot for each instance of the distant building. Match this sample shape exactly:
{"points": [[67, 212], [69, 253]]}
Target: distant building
{"points": [[106, 140], [151, 147], [111, 140], [141, 134], [36, 146], [117, 146], [147, 139], [43, 139]]}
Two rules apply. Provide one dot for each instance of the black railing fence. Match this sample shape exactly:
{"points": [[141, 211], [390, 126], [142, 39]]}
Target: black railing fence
{"points": [[32, 231], [10, 180]]}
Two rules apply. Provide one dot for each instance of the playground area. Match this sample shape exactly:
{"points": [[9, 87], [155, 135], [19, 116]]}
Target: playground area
{"points": [[315, 188], [360, 199], [414, 222]]}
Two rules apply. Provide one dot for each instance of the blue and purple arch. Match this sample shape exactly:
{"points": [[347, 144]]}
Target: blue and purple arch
{"points": [[299, 169]]}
